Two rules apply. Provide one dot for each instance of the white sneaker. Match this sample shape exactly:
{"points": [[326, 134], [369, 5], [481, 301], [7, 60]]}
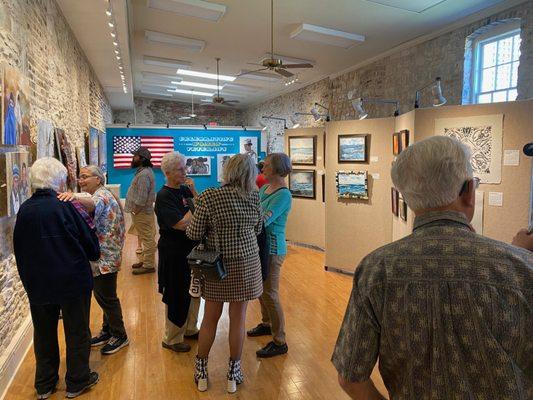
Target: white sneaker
{"points": [[195, 290]]}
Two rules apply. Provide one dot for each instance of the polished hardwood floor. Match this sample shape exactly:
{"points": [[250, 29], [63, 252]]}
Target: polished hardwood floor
{"points": [[314, 301]]}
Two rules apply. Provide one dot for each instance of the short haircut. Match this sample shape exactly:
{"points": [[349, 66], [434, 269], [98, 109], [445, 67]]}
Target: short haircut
{"points": [[240, 172], [281, 164], [170, 161], [48, 173], [430, 173], [95, 171]]}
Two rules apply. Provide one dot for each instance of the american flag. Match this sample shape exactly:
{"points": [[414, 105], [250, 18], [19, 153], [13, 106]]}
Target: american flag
{"points": [[123, 146]]}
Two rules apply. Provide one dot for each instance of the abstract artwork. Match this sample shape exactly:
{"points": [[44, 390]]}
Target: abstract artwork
{"points": [[17, 183], [222, 159], [198, 166], [353, 149], [15, 108], [352, 185], [402, 208], [67, 158], [483, 135], [124, 146], [302, 183], [248, 145], [92, 145], [302, 150], [394, 200], [102, 151]]}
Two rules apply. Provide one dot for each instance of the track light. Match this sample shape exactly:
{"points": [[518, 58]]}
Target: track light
{"points": [[243, 127], [108, 13], [360, 112], [277, 119], [436, 92], [263, 126], [168, 125], [113, 34], [111, 25], [295, 123], [205, 126], [128, 125]]}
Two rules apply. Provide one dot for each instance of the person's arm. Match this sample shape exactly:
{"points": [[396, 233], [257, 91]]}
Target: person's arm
{"points": [[86, 201], [190, 184], [198, 226], [183, 223], [280, 203], [523, 239], [86, 236], [141, 196], [360, 390]]}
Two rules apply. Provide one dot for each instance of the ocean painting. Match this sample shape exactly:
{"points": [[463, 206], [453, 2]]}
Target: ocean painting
{"points": [[302, 184], [352, 148], [302, 150], [352, 185]]}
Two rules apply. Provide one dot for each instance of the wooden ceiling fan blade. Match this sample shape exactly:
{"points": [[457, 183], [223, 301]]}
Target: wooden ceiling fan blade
{"points": [[304, 65], [284, 73]]}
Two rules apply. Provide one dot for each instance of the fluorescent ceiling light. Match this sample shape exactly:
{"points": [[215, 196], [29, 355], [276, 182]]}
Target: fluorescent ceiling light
{"points": [[152, 76], [287, 59], [332, 37], [191, 8], [176, 41], [205, 75], [199, 85], [166, 62], [155, 85], [195, 92], [261, 76]]}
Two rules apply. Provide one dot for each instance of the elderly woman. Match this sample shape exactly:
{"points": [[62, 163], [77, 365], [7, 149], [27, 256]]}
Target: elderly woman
{"points": [[230, 218], [109, 223], [53, 245], [173, 208], [276, 203]]}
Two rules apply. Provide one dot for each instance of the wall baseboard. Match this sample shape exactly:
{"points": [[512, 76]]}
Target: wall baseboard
{"points": [[338, 270], [16, 352], [308, 246]]}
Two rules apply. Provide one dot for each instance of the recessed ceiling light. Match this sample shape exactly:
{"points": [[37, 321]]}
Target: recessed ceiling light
{"points": [[118, 57], [196, 84], [191, 8], [152, 76], [108, 12], [115, 43], [332, 37], [116, 52], [176, 41], [120, 67], [195, 92], [166, 62], [113, 34], [206, 75], [111, 25]]}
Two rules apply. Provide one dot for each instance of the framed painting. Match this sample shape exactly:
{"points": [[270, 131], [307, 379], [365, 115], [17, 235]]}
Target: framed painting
{"points": [[353, 148], [222, 159], [396, 143], [17, 184], [15, 108], [198, 166], [302, 183], [102, 151], [352, 185], [92, 146], [302, 150], [402, 208], [404, 139], [394, 200]]}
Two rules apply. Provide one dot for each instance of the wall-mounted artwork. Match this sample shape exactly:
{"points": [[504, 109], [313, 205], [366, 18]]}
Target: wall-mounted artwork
{"points": [[92, 146], [198, 166], [402, 208], [353, 148], [302, 183], [45, 139], [67, 158], [15, 108], [483, 135], [394, 200], [396, 143], [102, 151], [17, 184], [352, 185], [302, 150], [404, 139], [82, 159], [222, 159], [248, 145]]}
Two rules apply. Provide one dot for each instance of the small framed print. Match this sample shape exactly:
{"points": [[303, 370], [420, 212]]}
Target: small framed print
{"points": [[302, 150], [352, 185], [404, 139], [396, 143], [302, 183], [402, 208], [394, 200], [353, 148]]}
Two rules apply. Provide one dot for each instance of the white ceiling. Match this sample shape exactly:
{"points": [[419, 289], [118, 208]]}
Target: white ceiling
{"points": [[242, 36]]}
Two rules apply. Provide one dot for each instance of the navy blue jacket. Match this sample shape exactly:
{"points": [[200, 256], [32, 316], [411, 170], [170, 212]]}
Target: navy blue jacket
{"points": [[53, 245]]}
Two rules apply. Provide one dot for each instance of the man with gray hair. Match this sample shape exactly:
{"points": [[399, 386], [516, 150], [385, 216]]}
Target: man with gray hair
{"points": [[447, 312]]}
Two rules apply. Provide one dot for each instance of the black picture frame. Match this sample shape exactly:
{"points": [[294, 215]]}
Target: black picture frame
{"points": [[298, 192], [296, 158], [343, 159]]}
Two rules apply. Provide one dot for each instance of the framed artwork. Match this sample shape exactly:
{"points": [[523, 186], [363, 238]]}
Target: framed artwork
{"points": [[102, 151], [15, 108], [67, 158], [402, 208], [302, 183], [352, 185], [198, 166], [404, 139], [80, 154], [396, 143], [353, 148], [394, 200], [248, 145], [17, 184], [92, 145], [302, 150], [222, 159]]}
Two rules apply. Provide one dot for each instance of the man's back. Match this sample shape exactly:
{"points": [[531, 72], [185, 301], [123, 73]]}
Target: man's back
{"points": [[448, 313]]}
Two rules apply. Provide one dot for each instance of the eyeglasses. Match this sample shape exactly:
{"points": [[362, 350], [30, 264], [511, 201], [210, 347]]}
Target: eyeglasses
{"points": [[84, 177], [465, 185]]}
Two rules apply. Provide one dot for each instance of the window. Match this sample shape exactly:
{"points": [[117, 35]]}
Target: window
{"points": [[496, 67]]}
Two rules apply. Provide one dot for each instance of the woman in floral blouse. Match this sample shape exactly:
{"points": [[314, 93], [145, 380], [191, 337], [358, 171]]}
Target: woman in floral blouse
{"points": [[109, 222]]}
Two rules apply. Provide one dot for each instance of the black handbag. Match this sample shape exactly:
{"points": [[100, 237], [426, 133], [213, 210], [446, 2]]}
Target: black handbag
{"points": [[206, 264]]}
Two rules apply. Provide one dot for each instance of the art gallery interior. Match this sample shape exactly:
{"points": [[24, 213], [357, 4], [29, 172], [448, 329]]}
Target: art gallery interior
{"points": [[340, 86]]}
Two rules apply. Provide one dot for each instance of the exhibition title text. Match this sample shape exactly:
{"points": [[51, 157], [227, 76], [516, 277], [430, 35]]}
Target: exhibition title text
{"points": [[194, 144]]}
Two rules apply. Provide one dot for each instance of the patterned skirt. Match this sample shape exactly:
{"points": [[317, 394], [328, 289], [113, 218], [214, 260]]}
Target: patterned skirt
{"points": [[243, 282]]}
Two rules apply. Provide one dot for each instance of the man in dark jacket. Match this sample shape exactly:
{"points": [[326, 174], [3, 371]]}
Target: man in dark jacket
{"points": [[53, 244]]}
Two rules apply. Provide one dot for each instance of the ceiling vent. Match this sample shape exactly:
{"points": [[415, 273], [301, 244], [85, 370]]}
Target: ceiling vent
{"points": [[332, 37], [190, 8], [175, 41], [166, 62]]}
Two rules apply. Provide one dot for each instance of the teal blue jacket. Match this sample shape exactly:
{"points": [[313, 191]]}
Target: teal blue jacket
{"points": [[276, 207]]}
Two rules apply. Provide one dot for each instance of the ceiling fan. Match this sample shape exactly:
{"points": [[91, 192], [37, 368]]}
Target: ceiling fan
{"points": [[218, 100], [192, 114], [275, 64]]}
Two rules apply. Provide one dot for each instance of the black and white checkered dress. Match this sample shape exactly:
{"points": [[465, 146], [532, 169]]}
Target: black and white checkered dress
{"points": [[232, 223]]}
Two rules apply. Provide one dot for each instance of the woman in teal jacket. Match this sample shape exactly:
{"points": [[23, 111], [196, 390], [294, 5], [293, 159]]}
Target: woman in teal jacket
{"points": [[276, 203]]}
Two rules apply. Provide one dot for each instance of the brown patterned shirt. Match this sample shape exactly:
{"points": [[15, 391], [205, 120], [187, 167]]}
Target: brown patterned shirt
{"points": [[448, 312], [141, 192]]}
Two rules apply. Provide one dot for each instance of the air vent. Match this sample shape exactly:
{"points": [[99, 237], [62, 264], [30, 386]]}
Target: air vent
{"points": [[175, 41], [332, 37], [190, 8]]}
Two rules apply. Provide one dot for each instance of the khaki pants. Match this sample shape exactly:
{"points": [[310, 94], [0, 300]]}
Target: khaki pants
{"points": [[173, 333], [145, 226], [271, 310]]}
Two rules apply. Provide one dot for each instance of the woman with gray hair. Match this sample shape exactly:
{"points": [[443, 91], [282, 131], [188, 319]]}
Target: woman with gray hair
{"points": [[173, 209], [53, 245], [230, 219]]}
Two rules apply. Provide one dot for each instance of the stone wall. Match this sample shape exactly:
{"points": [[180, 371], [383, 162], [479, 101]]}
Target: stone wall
{"points": [[153, 111], [36, 39], [398, 76]]}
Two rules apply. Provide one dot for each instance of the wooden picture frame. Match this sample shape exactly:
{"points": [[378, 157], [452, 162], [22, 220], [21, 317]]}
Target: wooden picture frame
{"points": [[396, 143], [302, 150], [350, 151], [299, 184], [394, 200]]}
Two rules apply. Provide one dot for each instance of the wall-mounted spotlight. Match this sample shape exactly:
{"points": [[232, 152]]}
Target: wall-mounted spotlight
{"points": [[436, 94], [205, 126], [128, 124], [360, 112], [168, 125], [316, 114], [243, 127], [263, 126], [277, 119], [295, 123]]}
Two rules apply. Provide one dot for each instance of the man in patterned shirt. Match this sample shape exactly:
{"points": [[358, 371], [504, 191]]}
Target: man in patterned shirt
{"points": [[447, 312]]}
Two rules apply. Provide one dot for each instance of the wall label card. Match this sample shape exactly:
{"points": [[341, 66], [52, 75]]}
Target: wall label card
{"points": [[374, 159], [511, 157], [496, 199]]}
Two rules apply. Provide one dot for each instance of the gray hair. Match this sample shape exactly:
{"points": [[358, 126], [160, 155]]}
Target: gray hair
{"points": [[48, 173], [171, 160], [281, 164], [95, 171], [430, 173], [240, 172]]}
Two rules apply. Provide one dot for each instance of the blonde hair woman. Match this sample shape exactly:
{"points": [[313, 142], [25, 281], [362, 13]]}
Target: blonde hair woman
{"points": [[230, 219]]}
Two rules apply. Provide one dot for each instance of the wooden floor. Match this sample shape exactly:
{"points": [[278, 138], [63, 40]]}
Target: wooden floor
{"points": [[314, 301]]}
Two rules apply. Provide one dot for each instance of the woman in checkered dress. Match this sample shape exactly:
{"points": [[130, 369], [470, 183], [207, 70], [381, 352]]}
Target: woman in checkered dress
{"points": [[230, 218]]}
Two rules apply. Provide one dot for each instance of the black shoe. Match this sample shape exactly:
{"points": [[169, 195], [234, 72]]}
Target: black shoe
{"points": [[177, 347], [102, 338], [260, 330], [93, 380], [272, 349], [43, 396], [115, 344]]}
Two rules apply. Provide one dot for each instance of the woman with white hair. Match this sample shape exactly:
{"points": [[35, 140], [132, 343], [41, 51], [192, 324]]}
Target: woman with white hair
{"points": [[230, 219], [173, 208], [53, 245]]}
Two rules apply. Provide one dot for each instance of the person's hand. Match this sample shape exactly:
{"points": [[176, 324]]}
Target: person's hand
{"points": [[523, 239], [66, 196], [189, 182]]}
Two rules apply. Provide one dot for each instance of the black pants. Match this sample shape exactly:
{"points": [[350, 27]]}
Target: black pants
{"points": [[75, 314], [105, 293]]}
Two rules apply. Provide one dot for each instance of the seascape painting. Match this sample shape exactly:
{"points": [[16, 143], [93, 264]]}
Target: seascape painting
{"points": [[353, 148], [302, 150], [302, 183], [352, 185]]}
